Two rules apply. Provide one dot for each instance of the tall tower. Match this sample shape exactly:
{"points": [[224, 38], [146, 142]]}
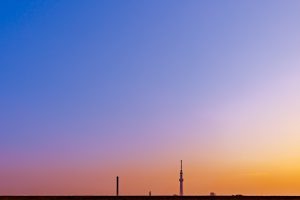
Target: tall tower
{"points": [[181, 180]]}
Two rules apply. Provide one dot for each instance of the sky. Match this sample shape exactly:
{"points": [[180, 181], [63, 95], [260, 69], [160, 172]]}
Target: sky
{"points": [[91, 90]]}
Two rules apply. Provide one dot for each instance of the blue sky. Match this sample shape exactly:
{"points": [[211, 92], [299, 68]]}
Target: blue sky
{"points": [[83, 81]]}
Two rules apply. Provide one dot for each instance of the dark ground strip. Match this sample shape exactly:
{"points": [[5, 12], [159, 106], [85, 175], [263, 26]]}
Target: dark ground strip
{"points": [[150, 197]]}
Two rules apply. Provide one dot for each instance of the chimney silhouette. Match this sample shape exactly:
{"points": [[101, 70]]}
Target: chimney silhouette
{"points": [[117, 186]]}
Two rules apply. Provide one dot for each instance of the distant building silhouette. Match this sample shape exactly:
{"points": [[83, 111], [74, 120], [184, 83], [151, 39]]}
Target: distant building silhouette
{"points": [[212, 194], [181, 180]]}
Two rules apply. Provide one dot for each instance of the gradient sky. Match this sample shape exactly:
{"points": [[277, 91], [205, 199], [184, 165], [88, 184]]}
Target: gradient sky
{"points": [[99, 88]]}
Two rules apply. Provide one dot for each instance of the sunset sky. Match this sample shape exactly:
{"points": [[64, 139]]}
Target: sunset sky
{"points": [[92, 89]]}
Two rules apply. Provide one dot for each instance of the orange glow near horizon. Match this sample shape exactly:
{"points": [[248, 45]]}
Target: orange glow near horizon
{"points": [[199, 179]]}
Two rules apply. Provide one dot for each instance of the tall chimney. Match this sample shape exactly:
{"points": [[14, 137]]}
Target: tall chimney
{"points": [[117, 186]]}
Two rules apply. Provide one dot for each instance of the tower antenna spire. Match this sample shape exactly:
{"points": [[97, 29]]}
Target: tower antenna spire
{"points": [[181, 165]]}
